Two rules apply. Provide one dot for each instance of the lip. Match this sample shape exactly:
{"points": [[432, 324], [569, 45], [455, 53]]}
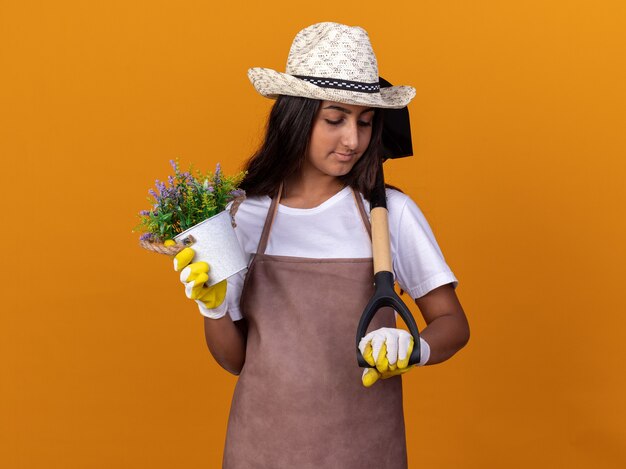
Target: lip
{"points": [[344, 156]]}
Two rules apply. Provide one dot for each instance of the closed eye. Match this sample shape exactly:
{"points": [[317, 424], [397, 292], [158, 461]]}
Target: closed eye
{"points": [[331, 122], [337, 122]]}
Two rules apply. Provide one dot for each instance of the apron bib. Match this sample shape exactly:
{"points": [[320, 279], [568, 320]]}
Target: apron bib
{"points": [[299, 402]]}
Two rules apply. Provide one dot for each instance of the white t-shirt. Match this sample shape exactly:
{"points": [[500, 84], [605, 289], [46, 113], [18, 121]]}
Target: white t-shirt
{"points": [[335, 229]]}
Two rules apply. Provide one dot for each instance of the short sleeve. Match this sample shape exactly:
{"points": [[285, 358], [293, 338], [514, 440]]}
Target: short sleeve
{"points": [[235, 283], [233, 294], [418, 262]]}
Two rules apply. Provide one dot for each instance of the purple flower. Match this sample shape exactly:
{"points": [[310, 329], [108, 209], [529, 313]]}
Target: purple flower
{"points": [[144, 213], [170, 180], [146, 237], [208, 187], [154, 194], [174, 165], [218, 171], [238, 193], [160, 186]]}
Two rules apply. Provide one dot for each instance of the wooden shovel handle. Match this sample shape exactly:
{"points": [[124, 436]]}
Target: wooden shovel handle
{"points": [[381, 250], [384, 294]]}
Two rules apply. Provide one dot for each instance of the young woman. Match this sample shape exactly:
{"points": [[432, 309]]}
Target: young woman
{"points": [[286, 326]]}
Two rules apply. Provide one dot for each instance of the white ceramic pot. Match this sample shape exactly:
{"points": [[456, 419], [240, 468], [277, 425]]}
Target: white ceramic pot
{"points": [[216, 244]]}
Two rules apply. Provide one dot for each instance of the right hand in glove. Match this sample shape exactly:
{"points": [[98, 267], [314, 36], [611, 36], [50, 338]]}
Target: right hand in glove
{"points": [[388, 351], [194, 275]]}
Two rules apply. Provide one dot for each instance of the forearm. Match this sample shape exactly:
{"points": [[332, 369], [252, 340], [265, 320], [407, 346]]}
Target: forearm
{"points": [[446, 335], [226, 343]]}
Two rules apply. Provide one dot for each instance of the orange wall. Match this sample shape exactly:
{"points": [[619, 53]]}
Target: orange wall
{"points": [[519, 130]]}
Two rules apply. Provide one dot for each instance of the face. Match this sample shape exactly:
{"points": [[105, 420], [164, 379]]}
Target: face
{"points": [[340, 135]]}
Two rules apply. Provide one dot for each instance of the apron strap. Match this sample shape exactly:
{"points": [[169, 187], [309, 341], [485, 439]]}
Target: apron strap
{"points": [[271, 214], [269, 220], [362, 212]]}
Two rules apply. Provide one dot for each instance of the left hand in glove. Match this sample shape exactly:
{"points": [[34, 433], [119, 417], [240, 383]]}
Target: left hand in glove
{"points": [[388, 349], [194, 275]]}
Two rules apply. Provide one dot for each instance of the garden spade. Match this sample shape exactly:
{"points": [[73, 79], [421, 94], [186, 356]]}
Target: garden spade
{"points": [[397, 142]]}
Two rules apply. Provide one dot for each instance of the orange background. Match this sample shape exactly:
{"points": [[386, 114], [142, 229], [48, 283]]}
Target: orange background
{"points": [[519, 133]]}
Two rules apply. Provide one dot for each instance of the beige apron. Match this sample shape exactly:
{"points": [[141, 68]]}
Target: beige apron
{"points": [[299, 402]]}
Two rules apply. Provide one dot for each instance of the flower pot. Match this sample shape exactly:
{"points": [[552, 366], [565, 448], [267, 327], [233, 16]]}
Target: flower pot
{"points": [[216, 244]]}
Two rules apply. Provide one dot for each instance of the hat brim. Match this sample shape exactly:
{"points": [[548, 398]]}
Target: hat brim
{"points": [[271, 84]]}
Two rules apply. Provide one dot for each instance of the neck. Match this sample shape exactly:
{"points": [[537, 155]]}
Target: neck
{"points": [[303, 192]]}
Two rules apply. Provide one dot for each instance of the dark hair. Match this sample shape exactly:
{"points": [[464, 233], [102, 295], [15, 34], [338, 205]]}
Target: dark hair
{"points": [[283, 150]]}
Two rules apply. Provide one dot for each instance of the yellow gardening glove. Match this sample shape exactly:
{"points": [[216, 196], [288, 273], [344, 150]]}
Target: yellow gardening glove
{"points": [[194, 275], [388, 350]]}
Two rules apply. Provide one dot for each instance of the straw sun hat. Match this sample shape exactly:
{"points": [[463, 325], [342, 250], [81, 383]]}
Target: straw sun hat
{"points": [[333, 62]]}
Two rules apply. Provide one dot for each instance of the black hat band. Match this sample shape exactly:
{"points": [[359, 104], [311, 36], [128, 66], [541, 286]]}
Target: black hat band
{"points": [[342, 84]]}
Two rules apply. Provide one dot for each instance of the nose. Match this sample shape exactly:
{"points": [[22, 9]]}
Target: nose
{"points": [[350, 136]]}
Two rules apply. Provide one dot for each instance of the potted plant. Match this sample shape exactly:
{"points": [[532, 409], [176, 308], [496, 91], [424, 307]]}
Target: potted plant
{"points": [[190, 210]]}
